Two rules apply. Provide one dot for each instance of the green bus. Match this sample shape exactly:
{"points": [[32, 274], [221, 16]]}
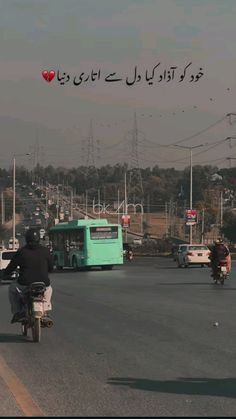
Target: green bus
{"points": [[83, 244]]}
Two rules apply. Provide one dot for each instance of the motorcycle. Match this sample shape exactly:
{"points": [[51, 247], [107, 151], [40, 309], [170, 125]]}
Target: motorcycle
{"points": [[32, 300], [129, 255], [221, 273]]}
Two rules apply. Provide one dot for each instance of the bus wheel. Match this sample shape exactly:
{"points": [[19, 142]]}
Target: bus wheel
{"points": [[56, 266], [107, 268], [74, 264]]}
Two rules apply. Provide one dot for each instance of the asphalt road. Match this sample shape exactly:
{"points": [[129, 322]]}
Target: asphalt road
{"points": [[137, 341]]}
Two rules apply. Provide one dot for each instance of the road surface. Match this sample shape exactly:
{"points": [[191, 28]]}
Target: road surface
{"points": [[137, 341]]}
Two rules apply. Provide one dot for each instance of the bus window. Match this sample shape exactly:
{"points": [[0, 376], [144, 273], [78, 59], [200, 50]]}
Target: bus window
{"points": [[77, 239], [60, 244], [66, 240]]}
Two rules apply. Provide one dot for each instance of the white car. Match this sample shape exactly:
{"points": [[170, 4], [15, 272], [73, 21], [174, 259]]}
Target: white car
{"points": [[137, 241], [10, 244], [193, 254], [5, 258]]}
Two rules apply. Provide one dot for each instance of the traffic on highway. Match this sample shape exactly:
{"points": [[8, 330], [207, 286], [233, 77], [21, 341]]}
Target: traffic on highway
{"points": [[148, 338]]}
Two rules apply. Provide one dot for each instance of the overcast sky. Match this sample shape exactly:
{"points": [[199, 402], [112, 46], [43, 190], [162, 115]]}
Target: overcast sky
{"points": [[76, 36]]}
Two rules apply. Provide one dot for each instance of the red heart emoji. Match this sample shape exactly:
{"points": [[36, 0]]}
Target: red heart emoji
{"points": [[48, 75]]}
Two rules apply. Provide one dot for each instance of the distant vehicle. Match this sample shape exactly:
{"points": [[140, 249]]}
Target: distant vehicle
{"points": [[18, 234], [42, 233], [36, 213], [193, 254], [38, 221], [137, 241], [175, 249], [86, 243], [10, 244], [5, 257], [126, 246], [37, 209], [30, 193]]}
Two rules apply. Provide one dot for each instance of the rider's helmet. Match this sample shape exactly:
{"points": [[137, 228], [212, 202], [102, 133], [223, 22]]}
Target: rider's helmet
{"points": [[219, 241], [32, 236]]}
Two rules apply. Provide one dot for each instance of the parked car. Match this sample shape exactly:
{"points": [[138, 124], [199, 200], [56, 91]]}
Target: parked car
{"points": [[10, 244], [193, 254], [5, 257], [174, 251], [137, 241]]}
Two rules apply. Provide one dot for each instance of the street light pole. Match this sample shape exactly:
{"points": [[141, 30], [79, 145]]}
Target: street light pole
{"points": [[71, 203], [190, 148], [14, 204], [191, 193], [125, 205], [14, 199]]}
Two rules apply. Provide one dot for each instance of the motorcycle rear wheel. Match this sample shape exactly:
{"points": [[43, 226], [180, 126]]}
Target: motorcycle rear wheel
{"points": [[36, 330], [222, 280]]}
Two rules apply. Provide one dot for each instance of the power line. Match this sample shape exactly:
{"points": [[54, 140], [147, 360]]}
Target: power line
{"points": [[199, 132]]}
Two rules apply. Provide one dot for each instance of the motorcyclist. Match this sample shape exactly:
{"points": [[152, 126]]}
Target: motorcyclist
{"points": [[129, 252], [219, 252], [35, 263]]}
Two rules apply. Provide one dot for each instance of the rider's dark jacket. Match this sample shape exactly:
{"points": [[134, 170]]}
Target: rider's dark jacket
{"points": [[219, 252], [34, 262]]}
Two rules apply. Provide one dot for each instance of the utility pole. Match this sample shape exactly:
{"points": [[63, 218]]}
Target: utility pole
{"points": [[203, 226], [166, 213], [92, 150], [46, 207], [141, 222], [190, 148], [118, 204], [135, 175], [14, 204], [125, 207], [99, 215], [14, 199], [3, 207], [86, 202], [57, 202], [71, 204], [148, 203], [221, 209]]}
